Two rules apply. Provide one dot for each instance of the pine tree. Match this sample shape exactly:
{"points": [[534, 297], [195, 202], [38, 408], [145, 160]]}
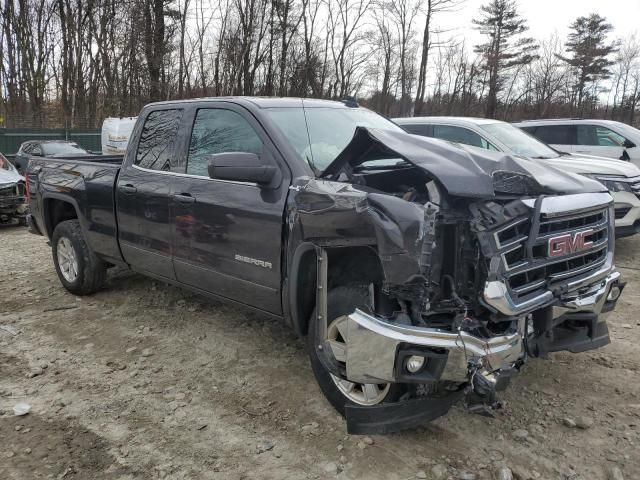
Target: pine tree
{"points": [[589, 50], [505, 48]]}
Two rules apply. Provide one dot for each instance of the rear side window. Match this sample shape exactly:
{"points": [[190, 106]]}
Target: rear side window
{"points": [[216, 130], [417, 129], [461, 135], [156, 146], [556, 134], [598, 136], [26, 148]]}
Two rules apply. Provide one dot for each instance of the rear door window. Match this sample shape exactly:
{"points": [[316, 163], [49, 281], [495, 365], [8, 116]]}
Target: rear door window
{"points": [[156, 148], [418, 129], [461, 135], [556, 134]]}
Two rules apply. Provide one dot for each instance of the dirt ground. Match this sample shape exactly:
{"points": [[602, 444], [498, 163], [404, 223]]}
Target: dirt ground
{"points": [[144, 380]]}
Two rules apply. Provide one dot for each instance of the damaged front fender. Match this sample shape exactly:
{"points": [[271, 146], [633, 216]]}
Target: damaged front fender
{"points": [[338, 214]]}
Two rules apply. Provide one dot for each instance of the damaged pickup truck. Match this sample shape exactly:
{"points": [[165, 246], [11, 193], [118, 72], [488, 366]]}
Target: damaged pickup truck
{"points": [[420, 273]]}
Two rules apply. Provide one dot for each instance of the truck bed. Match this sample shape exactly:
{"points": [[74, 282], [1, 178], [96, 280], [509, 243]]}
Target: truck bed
{"points": [[88, 183]]}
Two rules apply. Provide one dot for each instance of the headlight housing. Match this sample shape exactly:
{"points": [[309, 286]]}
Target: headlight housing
{"points": [[613, 184], [515, 183]]}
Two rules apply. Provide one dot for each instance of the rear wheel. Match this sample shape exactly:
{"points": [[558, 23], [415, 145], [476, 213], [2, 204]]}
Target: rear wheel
{"points": [[342, 301], [79, 269]]}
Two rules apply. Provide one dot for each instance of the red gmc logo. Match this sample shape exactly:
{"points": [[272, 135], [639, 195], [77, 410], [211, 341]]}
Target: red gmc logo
{"points": [[567, 244]]}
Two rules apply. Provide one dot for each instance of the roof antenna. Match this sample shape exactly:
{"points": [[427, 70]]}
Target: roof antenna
{"points": [[350, 101]]}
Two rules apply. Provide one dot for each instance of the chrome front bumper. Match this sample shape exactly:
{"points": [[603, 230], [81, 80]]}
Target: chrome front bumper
{"points": [[373, 344]]}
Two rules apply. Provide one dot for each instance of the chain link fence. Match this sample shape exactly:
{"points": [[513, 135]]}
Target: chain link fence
{"points": [[12, 138]]}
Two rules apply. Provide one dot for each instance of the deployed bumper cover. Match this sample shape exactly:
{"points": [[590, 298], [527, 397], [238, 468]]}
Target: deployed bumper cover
{"points": [[393, 417]]}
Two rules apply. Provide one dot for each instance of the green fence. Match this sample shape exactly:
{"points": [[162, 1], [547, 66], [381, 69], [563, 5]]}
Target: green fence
{"points": [[12, 138]]}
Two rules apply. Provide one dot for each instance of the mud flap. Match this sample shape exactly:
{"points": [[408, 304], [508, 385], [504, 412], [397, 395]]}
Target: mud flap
{"points": [[393, 417]]}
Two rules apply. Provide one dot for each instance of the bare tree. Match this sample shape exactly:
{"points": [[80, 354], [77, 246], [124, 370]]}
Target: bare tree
{"points": [[626, 67], [548, 75], [155, 46], [345, 16], [430, 9]]}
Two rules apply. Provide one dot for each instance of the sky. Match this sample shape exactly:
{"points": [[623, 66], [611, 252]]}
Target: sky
{"points": [[546, 17]]}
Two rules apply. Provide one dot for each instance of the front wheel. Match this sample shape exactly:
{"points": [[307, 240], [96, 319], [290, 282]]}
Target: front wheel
{"points": [[342, 301], [79, 269]]}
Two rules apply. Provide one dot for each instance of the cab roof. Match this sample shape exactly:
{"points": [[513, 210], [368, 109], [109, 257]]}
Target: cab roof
{"points": [[263, 102]]}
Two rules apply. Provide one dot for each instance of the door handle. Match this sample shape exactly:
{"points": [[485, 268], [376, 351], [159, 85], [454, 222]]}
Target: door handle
{"points": [[184, 198], [128, 188]]}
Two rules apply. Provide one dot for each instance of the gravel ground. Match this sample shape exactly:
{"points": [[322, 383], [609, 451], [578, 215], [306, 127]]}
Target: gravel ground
{"points": [[145, 380]]}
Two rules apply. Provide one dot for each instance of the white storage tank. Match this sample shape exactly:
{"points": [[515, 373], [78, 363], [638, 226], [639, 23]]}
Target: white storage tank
{"points": [[115, 134]]}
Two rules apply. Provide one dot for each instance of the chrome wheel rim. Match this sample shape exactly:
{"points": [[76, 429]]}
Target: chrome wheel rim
{"points": [[67, 260], [360, 393]]}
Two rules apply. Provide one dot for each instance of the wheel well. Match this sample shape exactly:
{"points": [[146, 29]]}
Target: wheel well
{"points": [[346, 266], [57, 211]]}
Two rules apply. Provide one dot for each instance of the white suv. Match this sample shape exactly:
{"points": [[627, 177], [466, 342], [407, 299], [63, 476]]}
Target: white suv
{"points": [[604, 138], [621, 178]]}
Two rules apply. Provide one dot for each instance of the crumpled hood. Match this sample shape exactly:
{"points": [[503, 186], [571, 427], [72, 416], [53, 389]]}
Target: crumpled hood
{"points": [[590, 164], [462, 171]]}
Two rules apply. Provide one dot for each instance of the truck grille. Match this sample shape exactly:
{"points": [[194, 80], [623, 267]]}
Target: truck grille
{"points": [[538, 251]]}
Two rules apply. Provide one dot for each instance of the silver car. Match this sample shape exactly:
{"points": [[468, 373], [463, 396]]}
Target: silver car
{"points": [[620, 177]]}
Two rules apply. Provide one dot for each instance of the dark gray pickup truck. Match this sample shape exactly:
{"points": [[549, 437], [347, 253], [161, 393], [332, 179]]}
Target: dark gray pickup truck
{"points": [[420, 272]]}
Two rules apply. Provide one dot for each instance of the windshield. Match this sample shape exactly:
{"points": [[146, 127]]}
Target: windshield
{"points": [[318, 135], [62, 148], [519, 142]]}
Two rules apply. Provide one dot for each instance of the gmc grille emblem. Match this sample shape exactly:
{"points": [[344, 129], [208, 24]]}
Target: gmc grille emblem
{"points": [[568, 243]]}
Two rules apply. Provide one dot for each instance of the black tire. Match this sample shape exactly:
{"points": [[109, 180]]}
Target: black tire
{"points": [[341, 301], [92, 271]]}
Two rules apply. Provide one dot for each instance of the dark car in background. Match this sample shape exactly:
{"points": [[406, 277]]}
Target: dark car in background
{"points": [[46, 148]]}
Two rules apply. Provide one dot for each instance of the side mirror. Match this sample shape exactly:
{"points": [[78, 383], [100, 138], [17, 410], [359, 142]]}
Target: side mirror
{"points": [[36, 153], [628, 144], [240, 167]]}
